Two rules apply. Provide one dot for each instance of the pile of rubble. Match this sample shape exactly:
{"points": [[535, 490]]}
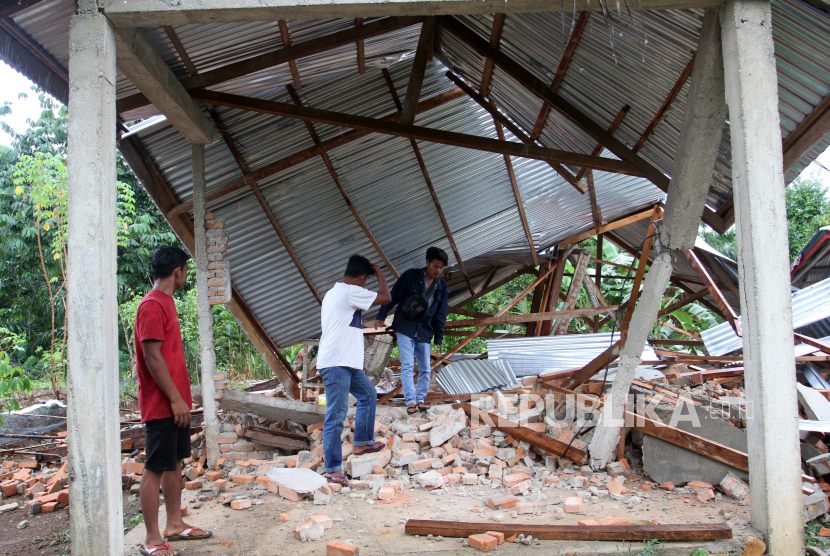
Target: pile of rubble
{"points": [[34, 488]]}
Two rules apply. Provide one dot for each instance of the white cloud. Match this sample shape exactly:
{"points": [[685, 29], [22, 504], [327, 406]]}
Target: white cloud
{"points": [[12, 84]]}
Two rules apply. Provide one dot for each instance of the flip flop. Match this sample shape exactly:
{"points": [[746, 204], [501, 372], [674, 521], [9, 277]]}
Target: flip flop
{"points": [[412, 409], [422, 406], [339, 479], [376, 447], [188, 535], [150, 550]]}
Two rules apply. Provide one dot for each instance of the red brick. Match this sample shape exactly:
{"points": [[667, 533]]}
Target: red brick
{"points": [[213, 475], [496, 535], [588, 523], [502, 502], [49, 507], [289, 494], [614, 521], [386, 493], [241, 504], [29, 465], [573, 505], [520, 487], [133, 468], [63, 496], [667, 486], [193, 485], [323, 520], [484, 543], [9, 489], [242, 479], [514, 479], [336, 548]]}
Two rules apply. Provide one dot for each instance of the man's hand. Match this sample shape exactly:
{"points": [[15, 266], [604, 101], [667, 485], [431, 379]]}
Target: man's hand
{"points": [[377, 269], [379, 324], [439, 348], [181, 413]]}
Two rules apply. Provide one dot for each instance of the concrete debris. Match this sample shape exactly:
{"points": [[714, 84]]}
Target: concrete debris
{"points": [[815, 405], [298, 480]]}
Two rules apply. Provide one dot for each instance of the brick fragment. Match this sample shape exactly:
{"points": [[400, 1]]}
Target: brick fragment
{"points": [[614, 521], [241, 504], [289, 494], [496, 535], [243, 479], [194, 485], [573, 505], [502, 502], [483, 543], [520, 487], [284, 517], [386, 493], [667, 486], [213, 476], [323, 520], [337, 548]]}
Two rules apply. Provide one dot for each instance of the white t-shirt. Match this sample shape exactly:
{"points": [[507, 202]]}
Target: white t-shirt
{"points": [[341, 343]]}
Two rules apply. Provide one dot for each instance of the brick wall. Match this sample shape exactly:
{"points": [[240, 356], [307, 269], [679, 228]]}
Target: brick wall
{"points": [[219, 271]]}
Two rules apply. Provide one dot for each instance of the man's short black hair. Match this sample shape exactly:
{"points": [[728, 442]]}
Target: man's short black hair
{"points": [[167, 259], [434, 253], [359, 266]]}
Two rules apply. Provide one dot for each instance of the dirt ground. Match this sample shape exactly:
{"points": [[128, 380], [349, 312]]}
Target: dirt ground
{"points": [[378, 528]]}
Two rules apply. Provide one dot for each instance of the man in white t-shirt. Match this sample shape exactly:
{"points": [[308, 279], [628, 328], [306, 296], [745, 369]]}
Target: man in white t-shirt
{"points": [[340, 363]]}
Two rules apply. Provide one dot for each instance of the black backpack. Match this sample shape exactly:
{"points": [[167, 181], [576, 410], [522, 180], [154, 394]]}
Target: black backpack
{"points": [[416, 306]]}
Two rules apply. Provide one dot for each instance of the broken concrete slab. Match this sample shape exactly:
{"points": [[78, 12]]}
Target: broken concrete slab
{"points": [[815, 405], [665, 462], [446, 426], [298, 479], [820, 464], [358, 466]]}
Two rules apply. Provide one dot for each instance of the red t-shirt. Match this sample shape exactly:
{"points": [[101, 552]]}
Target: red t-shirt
{"points": [[157, 319]]}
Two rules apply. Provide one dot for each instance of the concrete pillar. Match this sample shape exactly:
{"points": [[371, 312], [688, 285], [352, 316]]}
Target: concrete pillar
{"points": [[766, 311], [208, 359], [691, 175], [96, 522]]}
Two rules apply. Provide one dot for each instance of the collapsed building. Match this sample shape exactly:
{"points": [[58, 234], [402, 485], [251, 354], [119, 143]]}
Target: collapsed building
{"points": [[279, 138]]}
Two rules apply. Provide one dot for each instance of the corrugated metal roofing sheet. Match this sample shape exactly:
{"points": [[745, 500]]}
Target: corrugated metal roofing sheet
{"points": [[817, 254], [811, 306], [476, 375]]}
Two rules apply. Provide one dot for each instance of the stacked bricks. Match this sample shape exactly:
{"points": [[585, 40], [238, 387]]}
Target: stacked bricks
{"points": [[233, 446], [219, 274], [41, 489]]}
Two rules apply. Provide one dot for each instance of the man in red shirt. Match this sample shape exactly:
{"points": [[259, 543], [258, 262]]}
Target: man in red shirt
{"points": [[165, 403]]}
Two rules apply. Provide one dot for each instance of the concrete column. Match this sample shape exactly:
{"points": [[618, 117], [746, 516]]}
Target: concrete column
{"points": [[205, 311], [96, 522], [766, 311], [691, 175]]}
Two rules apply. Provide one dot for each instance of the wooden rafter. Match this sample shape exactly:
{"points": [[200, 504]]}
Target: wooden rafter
{"points": [[264, 204], [573, 41], [485, 281], [554, 287], [495, 37], [292, 64], [34, 48], [281, 56], [596, 211], [618, 119], [678, 86], [387, 127], [514, 129], [807, 134], [180, 50], [311, 152], [717, 295], [594, 366], [625, 318], [561, 324], [566, 313], [518, 195], [679, 304], [361, 55], [419, 66], [536, 304], [327, 161], [610, 226]]}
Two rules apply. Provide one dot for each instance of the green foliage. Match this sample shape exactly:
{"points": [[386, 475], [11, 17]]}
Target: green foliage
{"points": [[650, 548], [13, 380], [699, 552], [808, 209], [811, 536], [726, 243]]}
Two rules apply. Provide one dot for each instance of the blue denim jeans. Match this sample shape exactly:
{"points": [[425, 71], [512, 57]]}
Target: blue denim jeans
{"points": [[410, 350], [339, 382]]}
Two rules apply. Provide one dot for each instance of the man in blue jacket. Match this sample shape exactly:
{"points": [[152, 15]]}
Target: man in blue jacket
{"points": [[414, 336]]}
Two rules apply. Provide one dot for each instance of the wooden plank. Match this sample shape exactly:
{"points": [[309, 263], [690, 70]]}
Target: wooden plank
{"points": [[517, 194], [684, 75], [531, 317], [419, 66], [807, 134], [292, 64], [596, 211], [361, 55], [724, 306], [818, 344], [618, 119], [633, 533], [692, 442], [560, 326], [485, 281], [573, 41], [387, 127], [495, 37], [552, 290], [536, 304], [275, 441], [625, 317], [467, 312], [310, 152], [488, 335], [513, 128], [180, 50], [608, 227], [524, 434], [282, 56], [594, 366], [327, 161], [682, 302], [663, 342]]}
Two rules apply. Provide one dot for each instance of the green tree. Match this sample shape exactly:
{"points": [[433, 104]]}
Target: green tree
{"points": [[808, 209]]}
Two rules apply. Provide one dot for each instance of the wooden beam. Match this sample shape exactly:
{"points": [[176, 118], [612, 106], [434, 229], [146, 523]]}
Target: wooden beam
{"points": [[683, 302], [618, 119], [281, 56], [722, 281], [441, 216], [387, 127], [679, 330], [596, 211], [813, 342], [467, 312], [684, 75], [809, 132], [316, 138], [361, 55], [632, 533], [419, 66], [560, 326], [518, 196], [598, 272], [523, 434], [292, 64], [554, 287], [536, 304], [573, 41], [608, 227], [625, 317], [568, 313], [594, 366], [158, 190], [717, 295], [664, 342], [180, 50], [10, 27], [514, 129], [310, 152], [495, 38]]}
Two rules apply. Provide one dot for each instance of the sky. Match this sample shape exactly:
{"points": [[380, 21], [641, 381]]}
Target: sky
{"points": [[12, 83]]}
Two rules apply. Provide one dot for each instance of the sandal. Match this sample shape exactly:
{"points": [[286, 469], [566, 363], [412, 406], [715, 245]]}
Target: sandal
{"points": [[376, 447], [412, 409], [150, 550], [423, 406], [339, 479], [191, 534]]}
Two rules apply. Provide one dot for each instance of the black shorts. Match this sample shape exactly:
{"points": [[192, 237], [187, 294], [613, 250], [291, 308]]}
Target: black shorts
{"points": [[167, 444]]}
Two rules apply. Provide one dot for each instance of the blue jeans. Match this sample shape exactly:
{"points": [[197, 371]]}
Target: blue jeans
{"points": [[339, 382], [410, 349]]}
